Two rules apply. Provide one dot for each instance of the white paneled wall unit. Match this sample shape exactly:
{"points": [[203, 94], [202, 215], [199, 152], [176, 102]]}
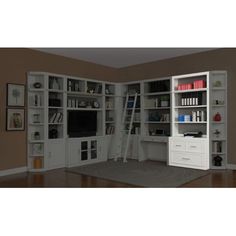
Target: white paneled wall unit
{"points": [[168, 112]]}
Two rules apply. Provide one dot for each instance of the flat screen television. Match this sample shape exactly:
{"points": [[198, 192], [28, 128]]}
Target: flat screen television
{"points": [[82, 123]]}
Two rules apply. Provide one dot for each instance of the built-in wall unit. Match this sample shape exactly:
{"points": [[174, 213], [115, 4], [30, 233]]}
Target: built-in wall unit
{"points": [[75, 121], [66, 121]]}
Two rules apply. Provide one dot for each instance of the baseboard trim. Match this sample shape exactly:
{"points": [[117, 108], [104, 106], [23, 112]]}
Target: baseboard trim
{"points": [[13, 171], [231, 166]]}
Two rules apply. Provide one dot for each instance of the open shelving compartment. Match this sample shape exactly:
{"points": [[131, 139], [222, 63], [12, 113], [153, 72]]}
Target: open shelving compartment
{"points": [[86, 97], [132, 89], [156, 107], [110, 108], [56, 114], [190, 110]]}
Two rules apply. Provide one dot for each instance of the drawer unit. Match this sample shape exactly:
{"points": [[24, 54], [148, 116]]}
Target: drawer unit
{"points": [[189, 152], [178, 145], [187, 158], [196, 147]]}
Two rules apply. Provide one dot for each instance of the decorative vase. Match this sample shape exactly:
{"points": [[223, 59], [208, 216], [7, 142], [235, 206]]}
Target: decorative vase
{"points": [[217, 117], [55, 84]]}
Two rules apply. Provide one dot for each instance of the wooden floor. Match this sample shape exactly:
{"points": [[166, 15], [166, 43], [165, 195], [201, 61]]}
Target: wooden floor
{"points": [[61, 178]]}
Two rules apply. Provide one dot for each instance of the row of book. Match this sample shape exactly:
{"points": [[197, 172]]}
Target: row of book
{"points": [[197, 84], [56, 117], [110, 129]]}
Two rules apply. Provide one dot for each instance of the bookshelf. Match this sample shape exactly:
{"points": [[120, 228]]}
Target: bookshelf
{"points": [[190, 116], [218, 128]]}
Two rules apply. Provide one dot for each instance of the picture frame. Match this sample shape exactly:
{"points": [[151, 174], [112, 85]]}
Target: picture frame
{"points": [[15, 119], [15, 95]]}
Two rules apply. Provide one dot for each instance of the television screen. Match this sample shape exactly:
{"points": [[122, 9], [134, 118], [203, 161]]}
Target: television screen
{"points": [[82, 123]]}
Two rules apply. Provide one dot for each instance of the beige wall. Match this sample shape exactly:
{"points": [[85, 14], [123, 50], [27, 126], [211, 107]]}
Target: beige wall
{"points": [[221, 59], [14, 63]]}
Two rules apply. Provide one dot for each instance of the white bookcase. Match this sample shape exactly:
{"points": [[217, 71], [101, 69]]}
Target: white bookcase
{"points": [[199, 108], [190, 111], [218, 128], [37, 129]]}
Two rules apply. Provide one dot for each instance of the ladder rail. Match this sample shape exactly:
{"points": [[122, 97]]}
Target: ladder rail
{"points": [[125, 108], [130, 125]]}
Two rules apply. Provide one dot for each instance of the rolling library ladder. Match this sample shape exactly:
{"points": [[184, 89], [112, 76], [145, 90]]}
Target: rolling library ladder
{"points": [[127, 123]]}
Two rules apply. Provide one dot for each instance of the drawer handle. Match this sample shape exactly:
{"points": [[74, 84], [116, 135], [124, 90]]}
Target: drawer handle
{"points": [[185, 158], [177, 145], [193, 146]]}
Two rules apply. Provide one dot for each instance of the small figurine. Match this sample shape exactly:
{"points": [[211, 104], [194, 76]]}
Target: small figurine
{"points": [[217, 133], [217, 160]]}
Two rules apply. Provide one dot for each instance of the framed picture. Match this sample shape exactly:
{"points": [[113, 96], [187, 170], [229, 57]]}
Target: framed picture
{"points": [[15, 95], [15, 119]]}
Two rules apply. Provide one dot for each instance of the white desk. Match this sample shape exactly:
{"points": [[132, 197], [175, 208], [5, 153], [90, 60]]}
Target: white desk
{"points": [[153, 148]]}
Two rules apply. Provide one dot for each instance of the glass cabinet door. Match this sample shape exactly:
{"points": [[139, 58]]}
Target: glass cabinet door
{"points": [[93, 149], [84, 150]]}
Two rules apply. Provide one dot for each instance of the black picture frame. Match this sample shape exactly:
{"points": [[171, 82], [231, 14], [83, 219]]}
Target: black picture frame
{"points": [[15, 119], [19, 91]]}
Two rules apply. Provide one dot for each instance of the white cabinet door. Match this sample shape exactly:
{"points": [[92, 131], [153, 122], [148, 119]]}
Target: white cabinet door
{"points": [[73, 153], [101, 147], [56, 154], [111, 146]]}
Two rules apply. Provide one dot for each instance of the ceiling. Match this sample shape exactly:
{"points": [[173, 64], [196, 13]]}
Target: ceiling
{"points": [[122, 57]]}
